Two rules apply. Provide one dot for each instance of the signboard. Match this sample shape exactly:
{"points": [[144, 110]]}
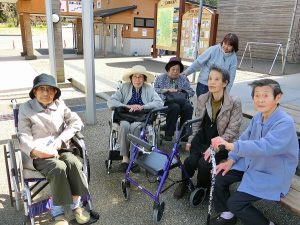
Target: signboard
{"points": [[63, 6], [167, 24], [189, 32], [75, 6], [98, 4], [71, 6]]}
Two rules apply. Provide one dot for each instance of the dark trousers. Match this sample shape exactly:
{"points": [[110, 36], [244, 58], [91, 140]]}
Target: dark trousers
{"points": [[239, 203], [195, 161], [185, 111], [201, 89], [65, 176]]}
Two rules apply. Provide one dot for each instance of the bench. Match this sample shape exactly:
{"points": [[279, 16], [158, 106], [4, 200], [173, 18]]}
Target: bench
{"points": [[292, 200]]}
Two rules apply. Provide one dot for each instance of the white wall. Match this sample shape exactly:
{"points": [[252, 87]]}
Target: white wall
{"points": [[141, 46]]}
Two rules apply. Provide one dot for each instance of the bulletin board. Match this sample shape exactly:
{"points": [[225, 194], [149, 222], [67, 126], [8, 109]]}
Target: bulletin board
{"points": [[189, 32], [167, 24]]}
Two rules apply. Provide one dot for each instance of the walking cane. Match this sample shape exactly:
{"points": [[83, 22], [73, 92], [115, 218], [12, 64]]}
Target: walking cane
{"points": [[213, 178]]}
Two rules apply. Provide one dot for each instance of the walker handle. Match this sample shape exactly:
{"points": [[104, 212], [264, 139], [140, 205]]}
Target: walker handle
{"points": [[140, 142]]}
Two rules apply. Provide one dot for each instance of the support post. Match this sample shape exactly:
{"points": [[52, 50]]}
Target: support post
{"points": [[89, 64], [181, 12], [50, 37], [198, 35]]}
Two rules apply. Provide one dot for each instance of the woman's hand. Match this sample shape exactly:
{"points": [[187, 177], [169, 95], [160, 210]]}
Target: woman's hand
{"points": [[206, 155], [57, 144], [217, 141], [187, 147], [225, 167], [50, 152], [172, 90], [133, 108]]}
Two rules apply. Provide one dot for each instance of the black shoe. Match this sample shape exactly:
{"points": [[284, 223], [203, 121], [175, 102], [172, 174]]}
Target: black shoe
{"points": [[180, 190], [218, 220], [123, 167], [168, 138], [135, 168]]}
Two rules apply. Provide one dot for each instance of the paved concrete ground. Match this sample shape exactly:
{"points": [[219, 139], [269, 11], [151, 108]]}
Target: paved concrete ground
{"points": [[105, 189]]}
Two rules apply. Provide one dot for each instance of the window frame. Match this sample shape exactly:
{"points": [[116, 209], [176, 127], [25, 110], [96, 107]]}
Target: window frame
{"points": [[144, 22]]}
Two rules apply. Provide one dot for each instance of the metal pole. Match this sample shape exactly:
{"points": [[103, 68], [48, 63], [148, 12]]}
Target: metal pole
{"points": [[198, 35], [50, 37], [289, 37], [89, 64]]}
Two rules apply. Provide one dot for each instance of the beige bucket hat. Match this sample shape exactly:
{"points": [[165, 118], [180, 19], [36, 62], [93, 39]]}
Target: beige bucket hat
{"points": [[138, 69]]}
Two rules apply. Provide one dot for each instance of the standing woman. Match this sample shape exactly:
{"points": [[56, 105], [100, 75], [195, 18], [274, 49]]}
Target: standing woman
{"points": [[222, 55]]}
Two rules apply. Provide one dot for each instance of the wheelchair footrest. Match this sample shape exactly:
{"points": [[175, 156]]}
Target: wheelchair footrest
{"points": [[114, 155], [155, 162]]}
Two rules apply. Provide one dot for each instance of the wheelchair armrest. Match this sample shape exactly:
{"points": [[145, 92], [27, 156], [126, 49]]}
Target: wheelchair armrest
{"points": [[79, 135]]}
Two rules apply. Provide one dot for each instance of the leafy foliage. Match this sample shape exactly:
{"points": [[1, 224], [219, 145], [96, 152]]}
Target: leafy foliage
{"points": [[212, 2], [8, 14]]}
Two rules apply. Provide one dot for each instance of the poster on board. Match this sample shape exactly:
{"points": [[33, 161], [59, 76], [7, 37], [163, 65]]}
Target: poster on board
{"points": [[167, 24], [189, 32]]}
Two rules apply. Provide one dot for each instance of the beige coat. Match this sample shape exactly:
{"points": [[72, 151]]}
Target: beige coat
{"points": [[36, 125], [229, 118]]}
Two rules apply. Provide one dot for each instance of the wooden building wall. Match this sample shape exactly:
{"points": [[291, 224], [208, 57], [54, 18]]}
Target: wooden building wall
{"points": [[145, 9], [261, 21]]}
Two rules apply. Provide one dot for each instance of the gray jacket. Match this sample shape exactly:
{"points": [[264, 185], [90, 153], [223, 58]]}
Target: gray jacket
{"points": [[150, 98], [229, 118], [37, 125]]}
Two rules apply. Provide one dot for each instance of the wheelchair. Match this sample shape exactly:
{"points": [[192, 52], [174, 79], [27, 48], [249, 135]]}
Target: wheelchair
{"points": [[148, 133], [25, 183], [158, 163]]}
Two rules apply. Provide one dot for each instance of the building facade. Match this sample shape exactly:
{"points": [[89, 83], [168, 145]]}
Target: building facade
{"points": [[124, 27]]}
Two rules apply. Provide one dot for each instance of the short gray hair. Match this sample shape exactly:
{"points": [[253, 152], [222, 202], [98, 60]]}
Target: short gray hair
{"points": [[266, 82], [224, 72]]}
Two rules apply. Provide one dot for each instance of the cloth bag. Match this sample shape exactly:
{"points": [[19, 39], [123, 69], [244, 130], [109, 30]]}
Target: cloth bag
{"points": [[122, 113]]}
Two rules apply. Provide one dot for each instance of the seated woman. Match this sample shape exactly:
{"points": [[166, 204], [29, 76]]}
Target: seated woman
{"points": [[221, 115], [263, 160], [173, 82], [136, 95], [45, 128]]}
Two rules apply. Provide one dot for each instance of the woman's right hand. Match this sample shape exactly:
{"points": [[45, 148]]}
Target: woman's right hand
{"points": [[206, 155], [172, 90], [187, 147], [45, 154]]}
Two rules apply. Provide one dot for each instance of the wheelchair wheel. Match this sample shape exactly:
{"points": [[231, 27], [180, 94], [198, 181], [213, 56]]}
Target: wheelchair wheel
{"points": [[197, 196], [125, 185], [14, 177], [88, 169], [158, 211]]}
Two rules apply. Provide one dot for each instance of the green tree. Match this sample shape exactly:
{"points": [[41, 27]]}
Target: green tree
{"points": [[212, 2], [8, 14]]}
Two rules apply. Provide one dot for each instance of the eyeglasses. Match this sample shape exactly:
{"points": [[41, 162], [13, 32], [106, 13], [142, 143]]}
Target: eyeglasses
{"points": [[46, 88]]}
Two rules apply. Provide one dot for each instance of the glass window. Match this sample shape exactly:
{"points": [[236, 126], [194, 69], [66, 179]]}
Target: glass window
{"points": [[139, 22], [149, 22]]}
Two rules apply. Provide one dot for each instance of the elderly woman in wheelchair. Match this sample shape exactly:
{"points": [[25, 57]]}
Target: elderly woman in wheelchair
{"points": [[175, 90], [134, 96], [220, 115], [45, 128]]}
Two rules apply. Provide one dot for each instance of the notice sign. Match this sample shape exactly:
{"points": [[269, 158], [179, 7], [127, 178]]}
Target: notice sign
{"points": [[98, 4], [144, 32], [63, 6], [75, 6]]}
